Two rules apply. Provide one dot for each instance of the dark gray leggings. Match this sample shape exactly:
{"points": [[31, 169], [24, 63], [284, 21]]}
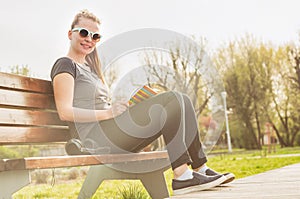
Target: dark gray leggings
{"points": [[169, 114]]}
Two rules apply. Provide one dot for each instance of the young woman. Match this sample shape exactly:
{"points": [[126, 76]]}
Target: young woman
{"points": [[81, 98]]}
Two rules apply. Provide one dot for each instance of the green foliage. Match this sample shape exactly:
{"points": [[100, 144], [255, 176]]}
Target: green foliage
{"points": [[237, 133], [297, 140], [246, 65], [20, 70], [262, 82], [285, 112], [18, 151], [7, 153]]}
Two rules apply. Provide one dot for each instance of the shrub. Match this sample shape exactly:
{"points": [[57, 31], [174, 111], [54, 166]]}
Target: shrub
{"points": [[40, 176], [73, 174], [18, 151], [7, 153], [133, 191], [84, 171]]}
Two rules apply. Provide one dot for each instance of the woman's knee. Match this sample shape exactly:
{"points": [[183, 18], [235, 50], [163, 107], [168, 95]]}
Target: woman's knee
{"points": [[170, 95], [174, 98], [186, 98]]}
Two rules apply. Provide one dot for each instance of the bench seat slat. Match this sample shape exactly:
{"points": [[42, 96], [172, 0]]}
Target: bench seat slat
{"points": [[28, 100], [29, 117], [82, 160], [17, 82], [28, 135]]}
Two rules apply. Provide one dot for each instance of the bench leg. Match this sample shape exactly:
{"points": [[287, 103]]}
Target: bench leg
{"points": [[155, 184], [94, 178], [154, 181], [12, 181]]}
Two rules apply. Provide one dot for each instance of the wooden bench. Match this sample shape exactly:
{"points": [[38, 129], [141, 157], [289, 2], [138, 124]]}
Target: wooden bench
{"points": [[28, 117]]}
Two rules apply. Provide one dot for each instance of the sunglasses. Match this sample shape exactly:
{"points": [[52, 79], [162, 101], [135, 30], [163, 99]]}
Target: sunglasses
{"points": [[84, 33]]}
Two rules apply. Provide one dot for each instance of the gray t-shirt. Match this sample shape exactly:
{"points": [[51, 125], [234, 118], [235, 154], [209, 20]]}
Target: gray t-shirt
{"points": [[89, 92]]}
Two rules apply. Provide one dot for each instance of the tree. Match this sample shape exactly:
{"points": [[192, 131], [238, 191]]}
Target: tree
{"points": [[181, 74], [188, 69], [294, 58], [246, 70], [285, 116]]}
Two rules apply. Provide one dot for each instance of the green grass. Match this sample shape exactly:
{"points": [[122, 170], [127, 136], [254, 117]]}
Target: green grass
{"points": [[133, 191], [242, 164], [246, 166]]}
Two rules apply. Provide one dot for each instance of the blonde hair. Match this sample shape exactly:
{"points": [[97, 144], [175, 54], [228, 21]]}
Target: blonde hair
{"points": [[92, 59]]}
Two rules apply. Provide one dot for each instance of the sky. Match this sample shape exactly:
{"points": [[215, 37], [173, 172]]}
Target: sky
{"points": [[34, 32]]}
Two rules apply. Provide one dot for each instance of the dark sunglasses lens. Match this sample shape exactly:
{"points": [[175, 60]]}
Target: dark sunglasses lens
{"points": [[96, 36], [83, 33]]}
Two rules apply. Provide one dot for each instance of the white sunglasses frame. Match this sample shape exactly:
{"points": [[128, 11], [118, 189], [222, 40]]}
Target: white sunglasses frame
{"points": [[91, 34]]}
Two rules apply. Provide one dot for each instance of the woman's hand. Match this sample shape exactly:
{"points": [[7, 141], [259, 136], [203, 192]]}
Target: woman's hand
{"points": [[119, 107]]}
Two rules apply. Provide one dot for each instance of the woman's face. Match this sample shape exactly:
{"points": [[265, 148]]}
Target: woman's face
{"points": [[80, 44]]}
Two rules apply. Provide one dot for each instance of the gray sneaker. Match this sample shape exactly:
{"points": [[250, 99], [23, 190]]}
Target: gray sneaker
{"points": [[229, 176], [197, 183]]}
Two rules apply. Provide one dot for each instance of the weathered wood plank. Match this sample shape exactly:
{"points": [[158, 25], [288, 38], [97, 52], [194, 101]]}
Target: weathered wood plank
{"points": [[19, 82], [28, 117], [24, 99], [29, 135], [82, 160]]}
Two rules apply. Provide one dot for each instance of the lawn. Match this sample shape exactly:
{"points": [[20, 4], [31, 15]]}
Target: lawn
{"points": [[241, 163]]}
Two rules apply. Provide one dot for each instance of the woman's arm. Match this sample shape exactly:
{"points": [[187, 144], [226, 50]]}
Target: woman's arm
{"points": [[63, 85]]}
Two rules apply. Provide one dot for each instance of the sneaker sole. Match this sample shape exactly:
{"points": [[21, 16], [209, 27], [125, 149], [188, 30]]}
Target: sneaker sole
{"points": [[229, 177], [200, 187]]}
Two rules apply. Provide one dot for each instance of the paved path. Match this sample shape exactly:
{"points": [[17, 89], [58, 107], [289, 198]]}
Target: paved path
{"points": [[283, 183]]}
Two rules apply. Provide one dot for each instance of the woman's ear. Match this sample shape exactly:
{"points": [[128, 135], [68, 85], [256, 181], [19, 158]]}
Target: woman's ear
{"points": [[70, 34]]}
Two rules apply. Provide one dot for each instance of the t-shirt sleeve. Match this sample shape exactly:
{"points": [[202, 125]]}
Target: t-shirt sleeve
{"points": [[63, 65]]}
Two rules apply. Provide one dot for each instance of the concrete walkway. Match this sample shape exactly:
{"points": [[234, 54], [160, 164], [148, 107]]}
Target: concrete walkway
{"points": [[283, 183]]}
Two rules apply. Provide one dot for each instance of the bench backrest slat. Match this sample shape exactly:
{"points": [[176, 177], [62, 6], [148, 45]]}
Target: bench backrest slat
{"points": [[13, 135], [26, 100], [17, 82], [28, 117], [27, 111]]}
